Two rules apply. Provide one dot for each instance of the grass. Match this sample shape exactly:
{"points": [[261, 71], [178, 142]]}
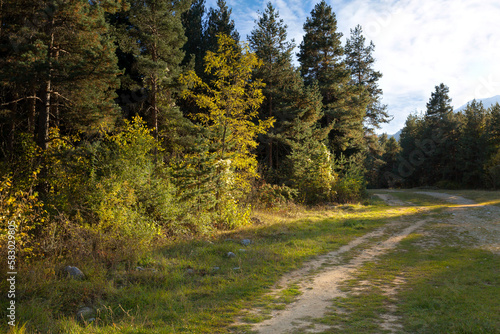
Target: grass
{"points": [[435, 281], [191, 286]]}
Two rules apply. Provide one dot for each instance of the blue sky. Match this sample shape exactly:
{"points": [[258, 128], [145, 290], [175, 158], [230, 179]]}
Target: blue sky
{"points": [[418, 44]]}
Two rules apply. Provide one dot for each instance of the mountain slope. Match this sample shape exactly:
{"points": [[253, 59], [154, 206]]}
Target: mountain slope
{"points": [[487, 102]]}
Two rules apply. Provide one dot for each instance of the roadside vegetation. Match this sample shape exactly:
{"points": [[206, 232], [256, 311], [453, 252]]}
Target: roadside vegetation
{"points": [[189, 285]]}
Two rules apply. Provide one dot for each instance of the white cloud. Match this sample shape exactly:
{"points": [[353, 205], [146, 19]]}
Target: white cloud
{"points": [[419, 44]]}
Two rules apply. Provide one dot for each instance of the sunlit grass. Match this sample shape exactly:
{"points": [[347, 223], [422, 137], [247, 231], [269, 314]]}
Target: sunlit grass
{"points": [[192, 286]]}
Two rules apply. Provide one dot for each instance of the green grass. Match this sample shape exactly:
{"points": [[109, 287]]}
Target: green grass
{"points": [[443, 287], [180, 291], [448, 288]]}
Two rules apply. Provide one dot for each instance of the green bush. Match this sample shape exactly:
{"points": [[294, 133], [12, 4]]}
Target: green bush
{"points": [[312, 172], [271, 195], [130, 197], [350, 187]]}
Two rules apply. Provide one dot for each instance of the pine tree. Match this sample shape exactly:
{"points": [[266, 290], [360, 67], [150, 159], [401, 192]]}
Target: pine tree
{"points": [[408, 172], [192, 20], [494, 127], [390, 157], [64, 55], [219, 22], [360, 61], [269, 42], [440, 102], [472, 155], [157, 29], [439, 127], [492, 166], [321, 59]]}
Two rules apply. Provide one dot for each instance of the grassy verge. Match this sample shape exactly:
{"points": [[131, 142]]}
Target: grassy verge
{"points": [[433, 282], [189, 286]]}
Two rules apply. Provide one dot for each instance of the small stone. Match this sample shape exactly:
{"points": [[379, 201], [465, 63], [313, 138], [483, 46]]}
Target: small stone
{"points": [[242, 250], [246, 242], [190, 271], [139, 268], [255, 221], [231, 254], [236, 268], [215, 268], [85, 313], [74, 272]]}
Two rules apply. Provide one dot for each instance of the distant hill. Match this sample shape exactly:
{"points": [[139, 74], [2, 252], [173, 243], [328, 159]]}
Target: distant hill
{"points": [[396, 135], [488, 102]]}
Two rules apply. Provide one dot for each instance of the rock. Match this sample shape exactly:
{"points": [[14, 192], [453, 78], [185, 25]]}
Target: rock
{"points": [[190, 271], [246, 242], [236, 268], [74, 272], [85, 314], [255, 221], [139, 268], [242, 250], [215, 268], [231, 254]]}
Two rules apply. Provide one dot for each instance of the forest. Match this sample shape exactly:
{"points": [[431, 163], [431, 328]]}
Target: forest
{"points": [[124, 123]]}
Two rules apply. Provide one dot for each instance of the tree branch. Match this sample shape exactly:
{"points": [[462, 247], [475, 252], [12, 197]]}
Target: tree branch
{"points": [[24, 98]]}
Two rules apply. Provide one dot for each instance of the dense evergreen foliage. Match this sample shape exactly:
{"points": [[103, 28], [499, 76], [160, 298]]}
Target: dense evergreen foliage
{"points": [[443, 148]]}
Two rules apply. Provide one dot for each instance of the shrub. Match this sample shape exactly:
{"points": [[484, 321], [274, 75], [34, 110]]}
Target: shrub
{"points": [[350, 186], [22, 212], [271, 195], [349, 189], [312, 172]]}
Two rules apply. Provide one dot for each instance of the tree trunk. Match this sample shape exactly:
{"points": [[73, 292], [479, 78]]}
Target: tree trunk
{"points": [[44, 118], [154, 106], [32, 113], [270, 143]]}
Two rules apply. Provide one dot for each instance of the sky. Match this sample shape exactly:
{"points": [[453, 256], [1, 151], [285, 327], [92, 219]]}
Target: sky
{"points": [[418, 44]]}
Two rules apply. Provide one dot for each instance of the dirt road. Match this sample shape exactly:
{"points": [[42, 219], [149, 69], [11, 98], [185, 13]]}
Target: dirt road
{"points": [[319, 280]]}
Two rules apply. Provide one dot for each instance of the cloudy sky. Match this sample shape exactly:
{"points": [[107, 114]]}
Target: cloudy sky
{"points": [[418, 44]]}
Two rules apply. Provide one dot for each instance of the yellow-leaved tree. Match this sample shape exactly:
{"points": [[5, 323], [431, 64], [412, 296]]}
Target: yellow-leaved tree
{"points": [[229, 104]]}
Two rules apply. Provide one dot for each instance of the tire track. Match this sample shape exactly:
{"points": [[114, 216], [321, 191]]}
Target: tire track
{"points": [[319, 289]]}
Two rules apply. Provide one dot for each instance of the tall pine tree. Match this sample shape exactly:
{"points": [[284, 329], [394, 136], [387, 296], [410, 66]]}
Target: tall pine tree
{"points": [[359, 58], [321, 59], [64, 56], [192, 20], [440, 102], [158, 37], [269, 42], [219, 22]]}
